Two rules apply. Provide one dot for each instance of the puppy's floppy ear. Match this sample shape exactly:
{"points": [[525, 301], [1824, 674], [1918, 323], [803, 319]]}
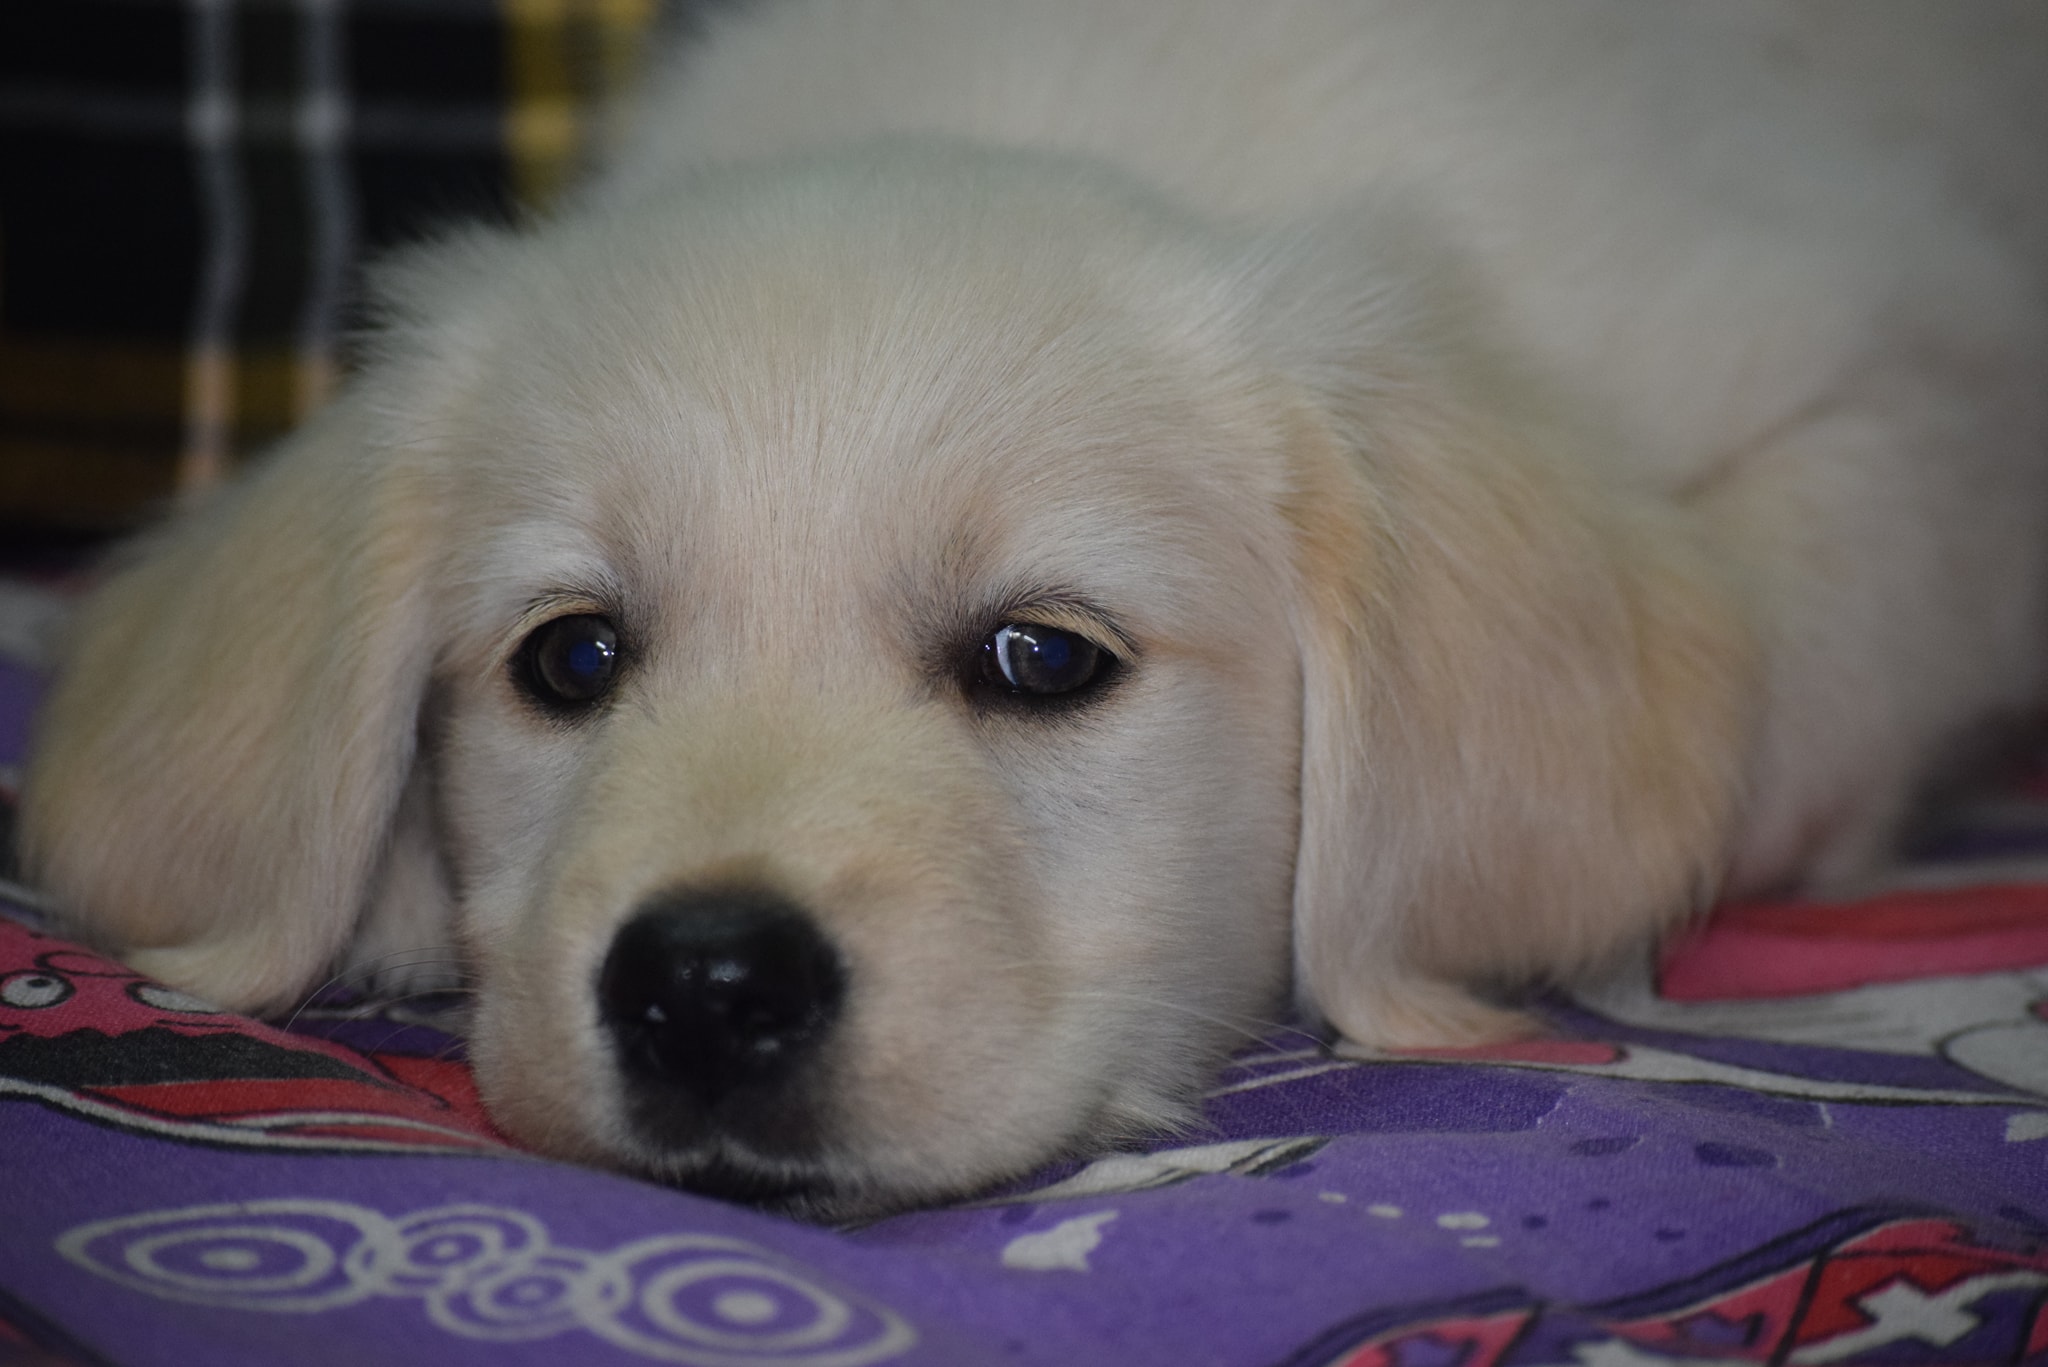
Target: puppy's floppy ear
{"points": [[1526, 701], [216, 772]]}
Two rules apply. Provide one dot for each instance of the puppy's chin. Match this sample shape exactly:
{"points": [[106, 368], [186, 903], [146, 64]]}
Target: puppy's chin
{"points": [[818, 1183], [807, 1154], [800, 1189], [771, 1147], [828, 1187], [818, 1192]]}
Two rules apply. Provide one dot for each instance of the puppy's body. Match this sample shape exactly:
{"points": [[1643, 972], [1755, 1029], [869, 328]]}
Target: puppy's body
{"points": [[1532, 465], [1726, 235]]}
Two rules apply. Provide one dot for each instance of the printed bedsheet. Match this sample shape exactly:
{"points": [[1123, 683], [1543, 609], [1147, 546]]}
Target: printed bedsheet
{"points": [[1819, 1134]]}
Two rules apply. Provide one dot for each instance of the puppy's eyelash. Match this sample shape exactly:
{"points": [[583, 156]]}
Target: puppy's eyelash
{"points": [[1067, 611], [594, 601], [975, 665], [519, 663]]}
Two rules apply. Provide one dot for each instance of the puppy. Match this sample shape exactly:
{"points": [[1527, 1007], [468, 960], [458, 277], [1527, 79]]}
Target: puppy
{"points": [[997, 537]]}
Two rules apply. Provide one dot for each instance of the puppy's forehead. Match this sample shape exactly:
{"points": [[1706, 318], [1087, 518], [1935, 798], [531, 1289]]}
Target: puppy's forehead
{"points": [[873, 406]]}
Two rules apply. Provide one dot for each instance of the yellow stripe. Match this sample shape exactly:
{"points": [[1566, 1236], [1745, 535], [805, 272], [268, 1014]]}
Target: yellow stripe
{"points": [[209, 417], [621, 39], [562, 57], [631, 15], [540, 114], [314, 373], [543, 140]]}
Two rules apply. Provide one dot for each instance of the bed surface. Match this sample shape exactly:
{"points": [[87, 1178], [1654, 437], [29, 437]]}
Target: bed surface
{"points": [[1818, 1134]]}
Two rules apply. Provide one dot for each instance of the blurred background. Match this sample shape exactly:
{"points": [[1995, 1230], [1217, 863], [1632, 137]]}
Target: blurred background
{"points": [[188, 189]]}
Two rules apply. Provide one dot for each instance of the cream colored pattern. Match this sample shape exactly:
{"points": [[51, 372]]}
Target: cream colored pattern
{"points": [[494, 1273]]}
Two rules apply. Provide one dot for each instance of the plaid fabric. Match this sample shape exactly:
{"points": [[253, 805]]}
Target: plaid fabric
{"points": [[187, 187]]}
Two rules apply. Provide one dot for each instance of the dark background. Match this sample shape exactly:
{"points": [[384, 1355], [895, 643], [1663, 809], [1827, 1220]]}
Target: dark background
{"points": [[188, 189]]}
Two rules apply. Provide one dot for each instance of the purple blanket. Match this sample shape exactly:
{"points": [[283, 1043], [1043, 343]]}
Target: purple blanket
{"points": [[1819, 1134]]}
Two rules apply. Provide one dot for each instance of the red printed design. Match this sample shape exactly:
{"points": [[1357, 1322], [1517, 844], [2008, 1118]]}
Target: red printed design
{"points": [[88, 1036], [1909, 1291], [1786, 949]]}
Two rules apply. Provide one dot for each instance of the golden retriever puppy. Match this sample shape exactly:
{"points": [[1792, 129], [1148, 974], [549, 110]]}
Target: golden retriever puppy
{"points": [[997, 537]]}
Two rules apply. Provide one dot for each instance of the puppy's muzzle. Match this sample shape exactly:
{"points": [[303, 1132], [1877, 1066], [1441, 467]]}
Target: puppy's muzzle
{"points": [[712, 995]]}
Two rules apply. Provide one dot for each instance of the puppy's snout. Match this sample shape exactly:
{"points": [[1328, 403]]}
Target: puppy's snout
{"points": [[710, 992]]}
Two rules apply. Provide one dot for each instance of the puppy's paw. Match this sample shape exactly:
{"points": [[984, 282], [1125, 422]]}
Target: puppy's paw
{"points": [[1421, 1014]]}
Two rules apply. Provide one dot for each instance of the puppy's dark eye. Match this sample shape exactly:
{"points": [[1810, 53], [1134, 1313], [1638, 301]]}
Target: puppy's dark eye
{"points": [[568, 663], [1040, 661]]}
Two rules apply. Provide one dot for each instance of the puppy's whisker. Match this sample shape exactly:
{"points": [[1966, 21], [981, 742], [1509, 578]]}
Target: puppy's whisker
{"points": [[382, 1007], [1259, 1029], [403, 958], [365, 971], [1253, 1027], [410, 954], [420, 994], [307, 1001], [457, 1029]]}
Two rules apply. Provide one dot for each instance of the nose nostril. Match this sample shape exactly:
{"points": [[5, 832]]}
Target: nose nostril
{"points": [[716, 990]]}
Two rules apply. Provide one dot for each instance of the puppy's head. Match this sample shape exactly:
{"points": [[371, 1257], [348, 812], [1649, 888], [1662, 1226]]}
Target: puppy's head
{"points": [[895, 641]]}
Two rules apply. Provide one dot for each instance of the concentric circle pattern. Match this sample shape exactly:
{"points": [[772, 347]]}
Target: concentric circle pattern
{"points": [[494, 1273]]}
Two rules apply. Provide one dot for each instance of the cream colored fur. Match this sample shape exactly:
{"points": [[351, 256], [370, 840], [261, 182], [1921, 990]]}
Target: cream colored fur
{"points": [[1542, 465]]}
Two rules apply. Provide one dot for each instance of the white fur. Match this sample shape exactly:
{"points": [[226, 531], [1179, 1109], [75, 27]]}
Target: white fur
{"points": [[1550, 462]]}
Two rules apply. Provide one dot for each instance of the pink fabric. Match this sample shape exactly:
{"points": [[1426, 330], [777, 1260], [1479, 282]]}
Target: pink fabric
{"points": [[1796, 948]]}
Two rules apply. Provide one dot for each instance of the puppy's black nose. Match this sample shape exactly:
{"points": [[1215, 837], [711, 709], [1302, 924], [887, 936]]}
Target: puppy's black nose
{"points": [[713, 991]]}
